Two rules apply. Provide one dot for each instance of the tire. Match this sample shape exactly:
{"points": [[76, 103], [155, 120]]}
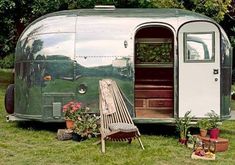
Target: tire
{"points": [[9, 99]]}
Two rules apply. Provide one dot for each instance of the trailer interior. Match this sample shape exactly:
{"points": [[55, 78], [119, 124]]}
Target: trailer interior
{"points": [[154, 72]]}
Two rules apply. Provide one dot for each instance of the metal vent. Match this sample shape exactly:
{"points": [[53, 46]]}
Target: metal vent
{"points": [[104, 7]]}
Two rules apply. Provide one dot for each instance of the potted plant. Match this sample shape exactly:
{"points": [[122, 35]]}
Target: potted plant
{"points": [[86, 126], [192, 140], [204, 125], [71, 110], [182, 125], [214, 123]]}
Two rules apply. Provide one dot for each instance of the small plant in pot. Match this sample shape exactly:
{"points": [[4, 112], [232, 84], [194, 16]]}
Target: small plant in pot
{"points": [[214, 123], [192, 140], [204, 125], [71, 111], [182, 125]]}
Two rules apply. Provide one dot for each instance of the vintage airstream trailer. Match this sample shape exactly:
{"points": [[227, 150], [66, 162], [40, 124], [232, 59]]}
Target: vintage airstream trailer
{"points": [[165, 62]]}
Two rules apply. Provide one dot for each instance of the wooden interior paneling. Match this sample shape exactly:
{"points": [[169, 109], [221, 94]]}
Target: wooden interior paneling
{"points": [[154, 113], [160, 103]]}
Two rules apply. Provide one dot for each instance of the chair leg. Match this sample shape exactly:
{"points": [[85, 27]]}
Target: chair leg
{"points": [[102, 145], [98, 142], [129, 141], [141, 144]]}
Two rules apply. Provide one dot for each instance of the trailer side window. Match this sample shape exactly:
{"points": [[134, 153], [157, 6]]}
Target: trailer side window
{"points": [[199, 47]]}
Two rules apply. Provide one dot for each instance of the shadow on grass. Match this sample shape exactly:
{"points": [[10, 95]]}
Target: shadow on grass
{"points": [[38, 126], [163, 130], [145, 129]]}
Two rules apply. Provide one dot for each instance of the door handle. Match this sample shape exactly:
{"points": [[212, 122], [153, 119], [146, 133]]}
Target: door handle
{"points": [[215, 71]]}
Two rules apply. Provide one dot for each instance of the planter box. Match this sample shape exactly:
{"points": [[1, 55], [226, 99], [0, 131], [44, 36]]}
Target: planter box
{"points": [[221, 144]]}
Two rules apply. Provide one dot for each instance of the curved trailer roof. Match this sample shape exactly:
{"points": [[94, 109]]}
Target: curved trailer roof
{"points": [[66, 21]]}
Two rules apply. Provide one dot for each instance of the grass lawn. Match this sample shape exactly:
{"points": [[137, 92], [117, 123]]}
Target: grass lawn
{"points": [[35, 143], [233, 101], [6, 76], [233, 105]]}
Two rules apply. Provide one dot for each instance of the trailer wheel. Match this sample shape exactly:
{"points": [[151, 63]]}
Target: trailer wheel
{"points": [[9, 99]]}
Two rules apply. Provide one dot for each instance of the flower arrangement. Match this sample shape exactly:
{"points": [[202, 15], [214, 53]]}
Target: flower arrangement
{"points": [[72, 110], [87, 125], [84, 125]]}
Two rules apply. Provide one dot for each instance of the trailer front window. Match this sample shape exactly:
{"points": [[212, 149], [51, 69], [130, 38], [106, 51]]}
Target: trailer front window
{"points": [[199, 47]]}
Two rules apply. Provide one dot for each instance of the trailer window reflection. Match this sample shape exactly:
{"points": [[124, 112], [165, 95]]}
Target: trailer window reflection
{"points": [[55, 46], [199, 47], [97, 38]]}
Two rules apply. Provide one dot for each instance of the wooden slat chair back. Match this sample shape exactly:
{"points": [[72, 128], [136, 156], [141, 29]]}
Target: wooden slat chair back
{"points": [[116, 122]]}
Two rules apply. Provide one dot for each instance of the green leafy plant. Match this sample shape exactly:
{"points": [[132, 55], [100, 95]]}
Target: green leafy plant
{"points": [[192, 140], [86, 125], [152, 53], [72, 110], [183, 124], [203, 124], [213, 119], [7, 62]]}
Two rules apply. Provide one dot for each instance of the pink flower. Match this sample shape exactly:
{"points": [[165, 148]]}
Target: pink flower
{"points": [[71, 110]]}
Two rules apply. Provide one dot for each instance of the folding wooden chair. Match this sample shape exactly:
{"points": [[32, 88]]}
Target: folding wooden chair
{"points": [[116, 122]]}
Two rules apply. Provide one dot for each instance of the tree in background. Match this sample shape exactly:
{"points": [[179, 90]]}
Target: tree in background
{"points": [[231, 22], [7, 62], [216, 9], [15, 15], [160, 4], [7, 29]]}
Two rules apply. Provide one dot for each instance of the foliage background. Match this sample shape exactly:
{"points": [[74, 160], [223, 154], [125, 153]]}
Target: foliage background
{"points": [[15, 15]]}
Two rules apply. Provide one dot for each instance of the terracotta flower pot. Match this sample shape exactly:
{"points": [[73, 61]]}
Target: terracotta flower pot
{"points": [[183, 141], [214, 133], [203, 132], [69, 124]]}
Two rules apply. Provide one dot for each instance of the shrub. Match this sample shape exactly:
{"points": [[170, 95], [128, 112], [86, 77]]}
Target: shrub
{"points": [[7, 62]]}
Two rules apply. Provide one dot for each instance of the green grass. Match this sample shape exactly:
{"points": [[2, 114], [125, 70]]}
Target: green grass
{"points": [[233, 105], [6, 76], [35, 143], [233, 101]]}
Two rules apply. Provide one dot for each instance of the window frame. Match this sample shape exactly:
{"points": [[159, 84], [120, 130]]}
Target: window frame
{"points": [[186, 60]]}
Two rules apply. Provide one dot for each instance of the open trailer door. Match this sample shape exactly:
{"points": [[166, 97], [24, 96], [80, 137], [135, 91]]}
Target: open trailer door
{"points": [[199, 68]]}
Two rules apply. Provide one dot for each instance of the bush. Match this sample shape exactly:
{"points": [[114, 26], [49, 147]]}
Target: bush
{"points": [[7, 62]]}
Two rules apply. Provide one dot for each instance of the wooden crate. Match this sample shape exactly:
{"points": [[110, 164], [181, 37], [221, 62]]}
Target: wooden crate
{"points": [[221, 144]]}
